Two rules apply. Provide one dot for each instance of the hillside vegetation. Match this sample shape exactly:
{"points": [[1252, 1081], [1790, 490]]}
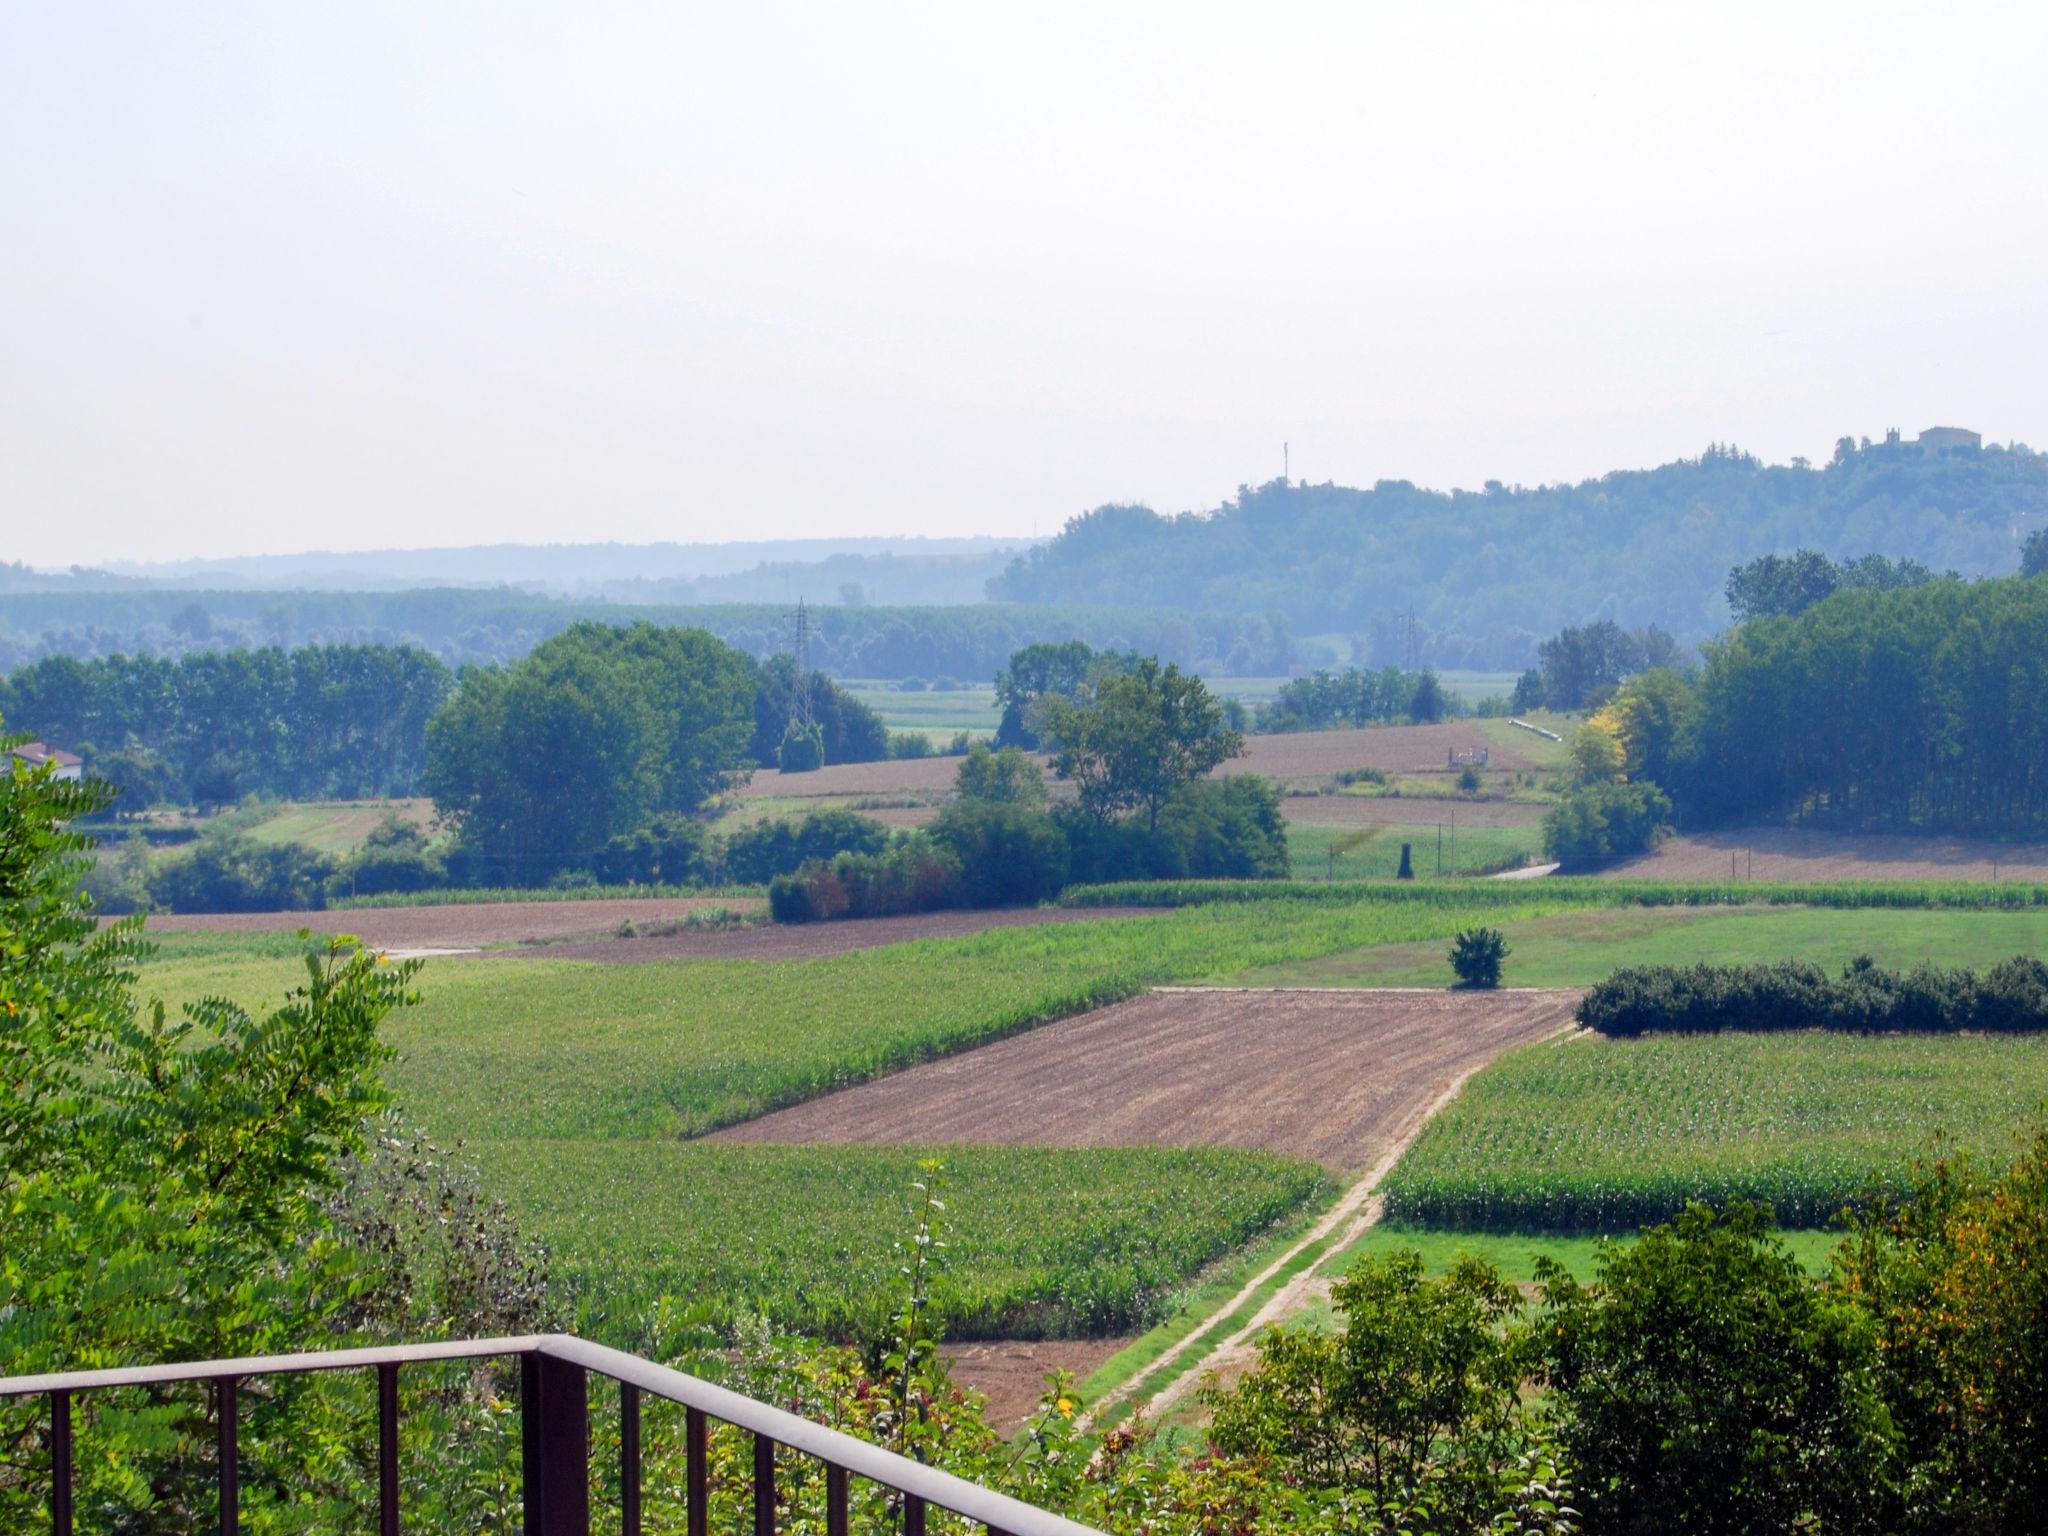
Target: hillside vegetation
{"points": [[1488, 573]]}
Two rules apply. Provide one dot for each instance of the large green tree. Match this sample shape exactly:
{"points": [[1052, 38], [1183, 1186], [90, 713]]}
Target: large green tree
{"points": [[540, 764], [1143, 734]]}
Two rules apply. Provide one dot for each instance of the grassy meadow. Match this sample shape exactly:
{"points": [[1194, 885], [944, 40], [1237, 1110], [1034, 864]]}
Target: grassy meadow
{"points": [[1322, 852]]}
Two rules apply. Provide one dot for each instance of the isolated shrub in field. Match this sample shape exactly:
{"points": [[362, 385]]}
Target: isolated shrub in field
{"points": [[789, 900], [1476, 956]]}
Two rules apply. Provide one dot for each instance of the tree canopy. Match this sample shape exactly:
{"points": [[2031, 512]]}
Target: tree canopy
{"points": [[1145, 733], [541, 763]]}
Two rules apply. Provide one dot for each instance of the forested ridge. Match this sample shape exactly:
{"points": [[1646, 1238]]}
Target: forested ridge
{"points": [[461, 625], [1490, 572]]}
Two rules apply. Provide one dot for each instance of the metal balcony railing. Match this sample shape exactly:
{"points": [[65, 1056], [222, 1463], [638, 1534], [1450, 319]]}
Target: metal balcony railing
{"points": [[554, 1408]]}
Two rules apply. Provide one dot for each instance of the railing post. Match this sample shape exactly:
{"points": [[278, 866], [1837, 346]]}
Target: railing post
{"points": [[697, 1446], [230, 1457], [764, 1485], [554, 1413], [629, 1459], [387, 1450], [60, 1463]]}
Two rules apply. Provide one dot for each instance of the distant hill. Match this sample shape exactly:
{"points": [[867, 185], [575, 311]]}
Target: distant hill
{"points": [[668, 572], [1487, 573]]}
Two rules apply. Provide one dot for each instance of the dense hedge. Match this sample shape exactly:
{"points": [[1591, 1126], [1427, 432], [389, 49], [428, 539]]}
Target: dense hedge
{"points": [[1791, 994]]}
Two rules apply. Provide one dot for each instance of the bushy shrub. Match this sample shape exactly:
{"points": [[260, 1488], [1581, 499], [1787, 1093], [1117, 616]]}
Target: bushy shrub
{"points": [[914, 874], [1476, 956], [382, 871], [802, 751], [757, 854], [1605, 821], [670, 850], [228, 872], [1009, 854], [1792, 994], [1007, 775], [1227, 829]]}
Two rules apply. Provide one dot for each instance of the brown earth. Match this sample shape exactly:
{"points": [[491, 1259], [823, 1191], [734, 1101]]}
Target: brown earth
{"points": [[1011, 1373], [1787, 853], [457, 927], [1392, 748], [1406, 811], [893, 776], [811, 941], [1334, 1076]]}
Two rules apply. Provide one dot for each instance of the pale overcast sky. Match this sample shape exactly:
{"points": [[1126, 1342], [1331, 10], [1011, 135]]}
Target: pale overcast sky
{"points": [[277, 277]]}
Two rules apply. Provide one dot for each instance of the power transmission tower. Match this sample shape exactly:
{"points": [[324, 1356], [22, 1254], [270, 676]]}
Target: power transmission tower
{"points": [[800, 716]]}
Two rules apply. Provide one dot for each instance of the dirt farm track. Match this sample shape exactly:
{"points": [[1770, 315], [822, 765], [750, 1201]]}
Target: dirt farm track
{"points": [[1335, 1076]]}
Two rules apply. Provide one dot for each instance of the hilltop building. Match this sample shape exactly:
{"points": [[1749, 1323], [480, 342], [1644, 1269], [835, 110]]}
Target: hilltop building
{"points": [[1935, 440]]}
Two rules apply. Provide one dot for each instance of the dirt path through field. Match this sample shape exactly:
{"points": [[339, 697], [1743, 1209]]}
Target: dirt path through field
{"points": [[1337, 1076]]}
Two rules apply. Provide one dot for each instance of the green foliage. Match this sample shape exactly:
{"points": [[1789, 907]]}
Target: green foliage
{"points": [[1779, 586], [1952, 1273], [541, 763], [1329, 701], [1036, 675], [1580, 664], [1477, 955], [1428, 703], [320, 722], [1006, 776], [1416, 1400], [1704, 1384], [1147, 732], [848, 730], [1706, 999], [670, 850], [1599, 1135], [1600, 821], [1009, 853], [164, 1173], [2034, 554], [802, 751], [232, 872], [756, 854], [1920, 708]]}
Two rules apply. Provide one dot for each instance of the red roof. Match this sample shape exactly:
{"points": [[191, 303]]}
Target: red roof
{"points": [[37, 753]]}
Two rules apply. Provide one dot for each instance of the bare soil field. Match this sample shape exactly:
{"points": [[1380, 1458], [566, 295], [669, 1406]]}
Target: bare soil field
{"points": [[812, 941], [933, 775], [1335, 1076], [1011, 1373], [1406, 811], [1789, 853], [457, 927], [1393, 748]]}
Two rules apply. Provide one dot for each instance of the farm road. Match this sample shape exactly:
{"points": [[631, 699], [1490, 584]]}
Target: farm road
{"points": [[1339, 1077]]}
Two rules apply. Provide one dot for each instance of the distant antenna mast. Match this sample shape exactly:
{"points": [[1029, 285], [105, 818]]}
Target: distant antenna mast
{"points": [[800, 715], [1286, 464]]}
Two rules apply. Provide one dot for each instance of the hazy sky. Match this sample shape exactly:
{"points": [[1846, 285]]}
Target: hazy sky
{"points": [[289, 276]]}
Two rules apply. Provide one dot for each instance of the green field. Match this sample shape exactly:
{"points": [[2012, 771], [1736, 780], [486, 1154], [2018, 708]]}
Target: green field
{"points": [[1472, 850], [575, 1084], [1590, 1134], [1040, 1242], [1576, 949], [939, 713]]}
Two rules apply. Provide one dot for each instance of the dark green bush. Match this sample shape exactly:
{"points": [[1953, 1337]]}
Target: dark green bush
{"points": [[1009, 854], [1597, 822], [1792, 994], [670, 850], [1476, 956], [757, 854], [233, 873]]}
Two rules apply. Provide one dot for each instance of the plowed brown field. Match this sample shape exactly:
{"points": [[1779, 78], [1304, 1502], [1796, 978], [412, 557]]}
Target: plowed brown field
{"points": [[1392, 748], [1784, 853], [1334, 1076]]}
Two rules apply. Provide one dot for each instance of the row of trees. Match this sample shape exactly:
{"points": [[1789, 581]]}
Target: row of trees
{"points": [[1325, 701], [318, 722]]}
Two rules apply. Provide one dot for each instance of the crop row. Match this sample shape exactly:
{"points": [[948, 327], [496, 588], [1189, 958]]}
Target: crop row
{"points": [[1603, 1135], [1039, 1242]]}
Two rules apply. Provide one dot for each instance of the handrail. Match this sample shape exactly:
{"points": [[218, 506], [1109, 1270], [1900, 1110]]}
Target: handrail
{"points": [[554, 1409]]}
